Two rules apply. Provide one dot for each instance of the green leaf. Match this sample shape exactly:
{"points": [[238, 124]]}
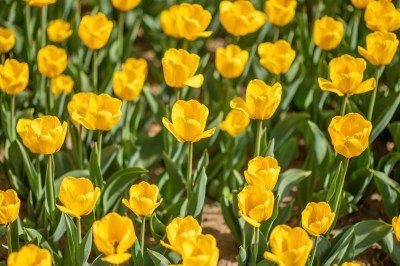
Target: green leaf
{"points": [[231, 219], [289, 179], [94, 168], [392, 247], [342, 251], [99, 262], [390, 192], [321, 145], [84, 249], [196, 201], [108, 154], [394, 129], [71, 243], [158, 259], [157, 228]]}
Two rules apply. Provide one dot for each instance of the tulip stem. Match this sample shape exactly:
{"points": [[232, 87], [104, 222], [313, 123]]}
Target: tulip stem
{"points": [[43, 27], [99, 139], [80, 146], [185, 44], [3, 58], [9, 238], [228, 90], [258, 138], [189, 171], [373, 97], [343, 106], [142, 235], [276, 34], [314, 251], [94, 66], [234, 39], [12, 108], [177, 92], [50, 189], [336, 203], [121, 21], [256, 240], [79, 230]]}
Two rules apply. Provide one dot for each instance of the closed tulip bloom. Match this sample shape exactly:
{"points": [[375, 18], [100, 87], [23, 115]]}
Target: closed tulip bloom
{"points": [[78, 106], [14, 76], [127, 85], [382, 15], [61, 83], [95, 31], [200, 251], [180, 229], [280, 12], [230, 61], [52, 61], [240, 18], [262, 171], [235, 123], [396, 227], [44, 135], [142, 199], [328, 33], [78, 196], [169, 21], [256, 204], [261, 100], [317, 218], [350, 134], [361, 3], [125, 5], [381, 47], [40, 3], [136, 64], [188, 121], [276, 57], [103, 113], [113, 236], [347, 75], [30, 255], [7, 40], [289, 246], [59, 30], [9, 206], [179, 68]]}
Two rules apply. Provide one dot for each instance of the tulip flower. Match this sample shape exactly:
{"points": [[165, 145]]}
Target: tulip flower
{"points": [[78, 106], [361, 3], [7, 40], [201, 250], [137, 65], [328, 33], [142, 199], [230, 61], [235, 123], [40, 3], [30, 255], [289, 246], [95, 30], [262, 171], [276, 57], [9, 206], [381, 47], [169, 21], [382, 16], [396, 227], [113, 236], [256, 204], [59, 30], [348, 264], [317, 218], [62, 83], [179, 230], [14, 76], [128, 84], [280, 12], [240, 18], [52, 61], [125, 5]]}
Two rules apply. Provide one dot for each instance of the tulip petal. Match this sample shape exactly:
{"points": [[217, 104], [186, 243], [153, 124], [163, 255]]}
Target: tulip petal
{"points": [[326, 85], [271, 257], [366, 54], [68, 211], [171, 129], [195, 81], [117, 258], [241, 105], [205, 134], [204, 34], [367, 85], [249, 220]]}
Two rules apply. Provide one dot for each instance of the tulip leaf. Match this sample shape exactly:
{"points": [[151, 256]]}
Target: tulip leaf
{"points": [[392, 247], [84, 249], [387, 162], [71, 243], [394, 129], [242, 257], [94, 168], [196, 201], [321, 146], [342, 250], [99, 262], [231, 219], [289, 179], [60, 230], [157, 228], [157, 258], [390, 192], [108, 154]]}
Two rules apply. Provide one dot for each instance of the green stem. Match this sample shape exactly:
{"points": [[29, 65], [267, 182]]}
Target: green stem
{"points": [[189, 171], [142, 235], [80, 164], [336, 203], [125, 126], [185, 44], [256, 240], [12, 107], [343, 106], [27, 22], [318, 10], [234, 39], [50, 190], [99, 139], [38, 173], [121, 21], [9, 238], [79, 230], [276, 34], [258, 138], [227, 94], [3, 58], [314, 251], [43, 27], [177, 93], [373, 97], [94, 71]]}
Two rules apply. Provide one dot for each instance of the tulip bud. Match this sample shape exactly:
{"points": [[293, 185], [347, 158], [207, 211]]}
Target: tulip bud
{"points": [[128, 84], [61, 83], [276, 57], [262, 171], [396, 227], [350, 134], [9, 206], [256, 204], [230, 61], [235, 123], [361, 3], [142, 199], [280, 12], [328, 33], [95, 30], [113, 236], [381, 47], [317, 218], [7, 40], [382, 16], [40, 3], [188, 121], [137, 65], [125, 5], [30, 255], [52, 61], [78, 106], [14, 76], [59, 30], [261, 100]]}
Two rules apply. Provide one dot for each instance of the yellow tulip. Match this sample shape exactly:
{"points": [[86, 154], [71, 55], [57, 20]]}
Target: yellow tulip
{"points": [[261, 100], [52, 61], [179, 68], [276, 57], [14, 76], [128, 84], [396, 227], [125, 5], [262, 171], [169, 21], [95, 31], [361, 3], [78, 196], [138, 65], [142, 199], [349, 134], [40, 3], [30, 255], [59, 30], [347, 74], [230, 61], [289, 246], [44, 135], [113, 236], [381, 47], [240, 17], [235, 123], [9, 206], [78, 106], [199, 251], [382, 15], [103, 113], [348, 264], [280, 12], [7, 40], [188, 121], [180, 229], [317, 218], [328, 33], [62, 83], [256, 204]]}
